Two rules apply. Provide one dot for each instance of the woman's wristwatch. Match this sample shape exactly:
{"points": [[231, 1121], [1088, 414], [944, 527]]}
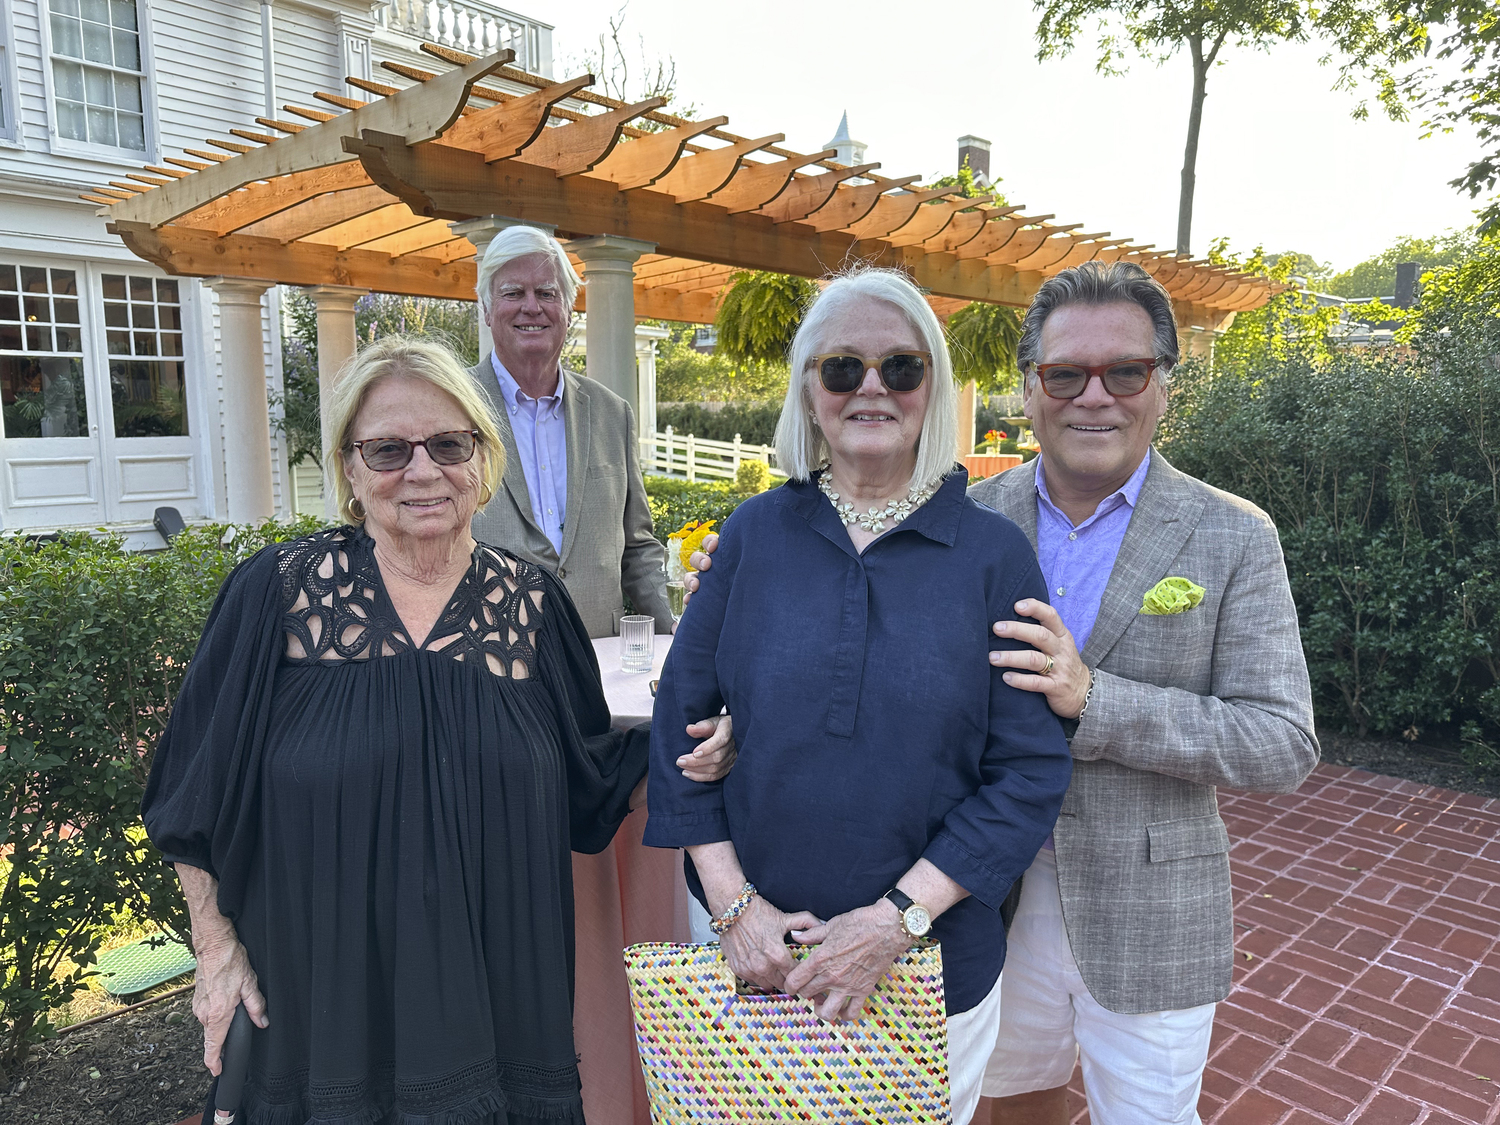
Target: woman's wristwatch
{"points": [[916, 919]]}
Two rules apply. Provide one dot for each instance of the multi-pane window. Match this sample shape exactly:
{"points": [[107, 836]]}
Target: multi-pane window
{"points": [[41, 353], [96, 72], [143, 335]]}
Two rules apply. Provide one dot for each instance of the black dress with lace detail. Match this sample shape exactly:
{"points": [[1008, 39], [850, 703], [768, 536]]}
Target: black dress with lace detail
{"points": [[390, 823]]}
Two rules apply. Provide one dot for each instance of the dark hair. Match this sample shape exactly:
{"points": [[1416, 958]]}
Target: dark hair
{"points": [[1101, 283]]}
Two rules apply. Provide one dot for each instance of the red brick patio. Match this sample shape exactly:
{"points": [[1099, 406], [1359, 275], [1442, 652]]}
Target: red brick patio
{"points": [[1367, 972], [1367, 978]]}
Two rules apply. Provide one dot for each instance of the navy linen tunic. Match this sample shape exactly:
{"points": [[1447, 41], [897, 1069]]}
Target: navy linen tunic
{"points": [[871, 727]]}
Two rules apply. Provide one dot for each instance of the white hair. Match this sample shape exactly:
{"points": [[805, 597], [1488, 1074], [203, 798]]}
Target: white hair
{"points": [[517, 242], [800, 445]]}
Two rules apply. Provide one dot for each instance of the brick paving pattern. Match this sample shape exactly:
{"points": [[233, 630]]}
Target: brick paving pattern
{"points": [[1367, 964]]}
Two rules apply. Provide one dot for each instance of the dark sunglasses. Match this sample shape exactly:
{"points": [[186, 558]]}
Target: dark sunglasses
{"points": [[1122, 379], [387, 454], [900, 371]]}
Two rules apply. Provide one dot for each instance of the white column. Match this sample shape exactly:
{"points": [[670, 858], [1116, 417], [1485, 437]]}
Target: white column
{"points": [[646, 338], [480, 232], [967, 405], [336, 346], [247, 418], [609, 273]]}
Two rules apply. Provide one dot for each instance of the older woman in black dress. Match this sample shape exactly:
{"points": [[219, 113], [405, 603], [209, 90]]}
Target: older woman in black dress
{"points": [[386, 744]]}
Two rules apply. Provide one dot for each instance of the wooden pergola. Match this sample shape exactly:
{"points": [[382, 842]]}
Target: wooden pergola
{"points": [[396, 193]]}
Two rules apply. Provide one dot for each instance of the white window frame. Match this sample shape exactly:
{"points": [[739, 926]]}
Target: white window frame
{"points": [[67, 146], [10, 82]]}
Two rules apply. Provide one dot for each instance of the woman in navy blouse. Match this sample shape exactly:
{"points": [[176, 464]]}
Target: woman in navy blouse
{"points": [[889, 782]]}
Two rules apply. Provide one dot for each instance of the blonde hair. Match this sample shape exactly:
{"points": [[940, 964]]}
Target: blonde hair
{"points": [[800, 445], [410, 358]]}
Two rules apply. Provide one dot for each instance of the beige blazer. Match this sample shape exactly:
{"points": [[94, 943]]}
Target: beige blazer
{"points": [[1218, 695], [608, 550]]}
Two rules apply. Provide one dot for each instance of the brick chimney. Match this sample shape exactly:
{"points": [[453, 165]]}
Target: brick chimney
{"points": [[977, 152]]}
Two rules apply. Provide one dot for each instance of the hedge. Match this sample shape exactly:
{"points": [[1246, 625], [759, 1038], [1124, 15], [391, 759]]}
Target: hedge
{"points": [[1382, 473], [93, 645]]}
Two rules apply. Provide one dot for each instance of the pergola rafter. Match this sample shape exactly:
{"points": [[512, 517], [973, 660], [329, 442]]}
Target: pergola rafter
{"points": [[364, 197]]}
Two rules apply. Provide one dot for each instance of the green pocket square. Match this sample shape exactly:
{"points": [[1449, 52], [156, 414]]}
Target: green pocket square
{"points": [[1171, 595]]}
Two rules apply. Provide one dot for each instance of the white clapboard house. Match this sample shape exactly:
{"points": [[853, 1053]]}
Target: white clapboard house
{"points": [[109, 369]]}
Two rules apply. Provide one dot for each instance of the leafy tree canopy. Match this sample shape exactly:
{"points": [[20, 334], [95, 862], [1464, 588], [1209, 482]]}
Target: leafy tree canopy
{"points": [[1370, 34], [1376, 277], [684, 374], [1465, 32]]}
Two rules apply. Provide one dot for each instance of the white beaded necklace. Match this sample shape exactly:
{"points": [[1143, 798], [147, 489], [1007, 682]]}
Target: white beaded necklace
{"points": [[874, 520]]}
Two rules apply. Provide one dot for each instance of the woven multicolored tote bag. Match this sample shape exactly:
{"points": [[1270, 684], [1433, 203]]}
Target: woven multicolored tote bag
{"points": [[713, 1055]]}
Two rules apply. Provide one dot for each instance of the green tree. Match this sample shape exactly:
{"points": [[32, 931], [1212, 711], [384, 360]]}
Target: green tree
{"points": [[1291, 325], [1362, 30], [1376, 276], [759, 315], [967, 186], [452, 323], [1465, 32], [982, 340], [684, 374]]}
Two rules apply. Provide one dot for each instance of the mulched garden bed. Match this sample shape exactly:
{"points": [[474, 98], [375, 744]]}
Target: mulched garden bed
{"points": [[1424, 763], [141, 1068], [146, 1067]]}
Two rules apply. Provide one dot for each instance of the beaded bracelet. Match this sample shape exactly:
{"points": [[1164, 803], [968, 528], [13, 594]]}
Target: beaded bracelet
{"points": [[721, 924]]}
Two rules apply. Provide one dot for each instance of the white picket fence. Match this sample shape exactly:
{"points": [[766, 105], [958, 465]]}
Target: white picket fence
{"points": [[665, 453]]}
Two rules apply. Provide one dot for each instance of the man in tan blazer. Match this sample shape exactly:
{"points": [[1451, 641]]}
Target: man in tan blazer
{"points": [[1122, 942], [573, 497]]}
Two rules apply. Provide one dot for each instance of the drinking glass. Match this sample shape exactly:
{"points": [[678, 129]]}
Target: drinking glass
{"points": [[637, 643], [675, 593]]}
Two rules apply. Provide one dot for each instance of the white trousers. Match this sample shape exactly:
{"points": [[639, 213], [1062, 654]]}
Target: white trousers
{"points": [[971, 1034], [1137, 1069]]}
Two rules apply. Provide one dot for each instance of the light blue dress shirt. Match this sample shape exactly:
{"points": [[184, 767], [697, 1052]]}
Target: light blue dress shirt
{"points": [[542, 441], [1077, 561]]}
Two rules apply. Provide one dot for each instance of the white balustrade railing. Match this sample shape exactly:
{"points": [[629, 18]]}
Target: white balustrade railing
{"points": [[668, 453], [474, 28]]}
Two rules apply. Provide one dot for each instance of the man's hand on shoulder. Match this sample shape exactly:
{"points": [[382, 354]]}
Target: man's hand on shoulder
{"points": [[1051, 666], [699, 561]]}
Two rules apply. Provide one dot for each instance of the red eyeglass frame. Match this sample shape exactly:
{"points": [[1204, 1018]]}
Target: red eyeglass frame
{"points": [[1092, 372]]}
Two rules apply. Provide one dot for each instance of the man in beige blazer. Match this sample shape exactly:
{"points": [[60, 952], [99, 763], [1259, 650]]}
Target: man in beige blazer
{"points": [[573, 498], [1122, 941]]}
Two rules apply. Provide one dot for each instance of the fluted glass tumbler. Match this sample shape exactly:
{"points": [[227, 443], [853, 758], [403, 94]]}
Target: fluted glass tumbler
{"points": [[637, 643]]}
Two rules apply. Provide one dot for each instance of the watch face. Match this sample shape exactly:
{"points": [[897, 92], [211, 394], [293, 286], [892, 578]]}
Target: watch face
{"points": [[917, 920]]}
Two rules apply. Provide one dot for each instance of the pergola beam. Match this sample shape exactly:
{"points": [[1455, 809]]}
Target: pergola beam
{"points": [[419, 118]]}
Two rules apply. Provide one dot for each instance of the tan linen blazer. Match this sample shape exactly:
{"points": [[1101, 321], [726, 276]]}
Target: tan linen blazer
{"points": [[1217, 695], [608, 550]]}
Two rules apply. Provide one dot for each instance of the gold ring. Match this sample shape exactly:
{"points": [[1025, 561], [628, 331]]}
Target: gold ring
{"points": [[1047, 668]]}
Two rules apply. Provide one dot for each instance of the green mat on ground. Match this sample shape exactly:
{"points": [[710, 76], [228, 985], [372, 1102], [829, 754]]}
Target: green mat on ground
{"points": [[143, 964]]}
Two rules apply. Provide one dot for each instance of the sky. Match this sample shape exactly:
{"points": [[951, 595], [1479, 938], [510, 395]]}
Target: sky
{"points": [[1281, 162]]}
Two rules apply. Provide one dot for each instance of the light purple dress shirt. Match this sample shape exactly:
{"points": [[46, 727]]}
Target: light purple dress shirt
{"points": [[542, 441], [1077, 561]]}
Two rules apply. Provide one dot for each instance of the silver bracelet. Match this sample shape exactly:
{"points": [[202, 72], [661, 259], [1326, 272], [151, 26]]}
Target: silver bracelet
{"points": [[1087, 696]]}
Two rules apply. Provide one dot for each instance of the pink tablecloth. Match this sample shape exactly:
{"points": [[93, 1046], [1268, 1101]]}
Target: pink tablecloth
{"points": [[626, 894]]}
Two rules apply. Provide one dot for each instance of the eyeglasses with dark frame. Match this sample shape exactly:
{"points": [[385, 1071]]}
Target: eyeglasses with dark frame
{"points": [[387, 454], [1124, 378], [842, 373]]}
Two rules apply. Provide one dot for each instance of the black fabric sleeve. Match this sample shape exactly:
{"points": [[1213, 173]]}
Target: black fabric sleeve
{"points": [[604, 765], [200, 803]]}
